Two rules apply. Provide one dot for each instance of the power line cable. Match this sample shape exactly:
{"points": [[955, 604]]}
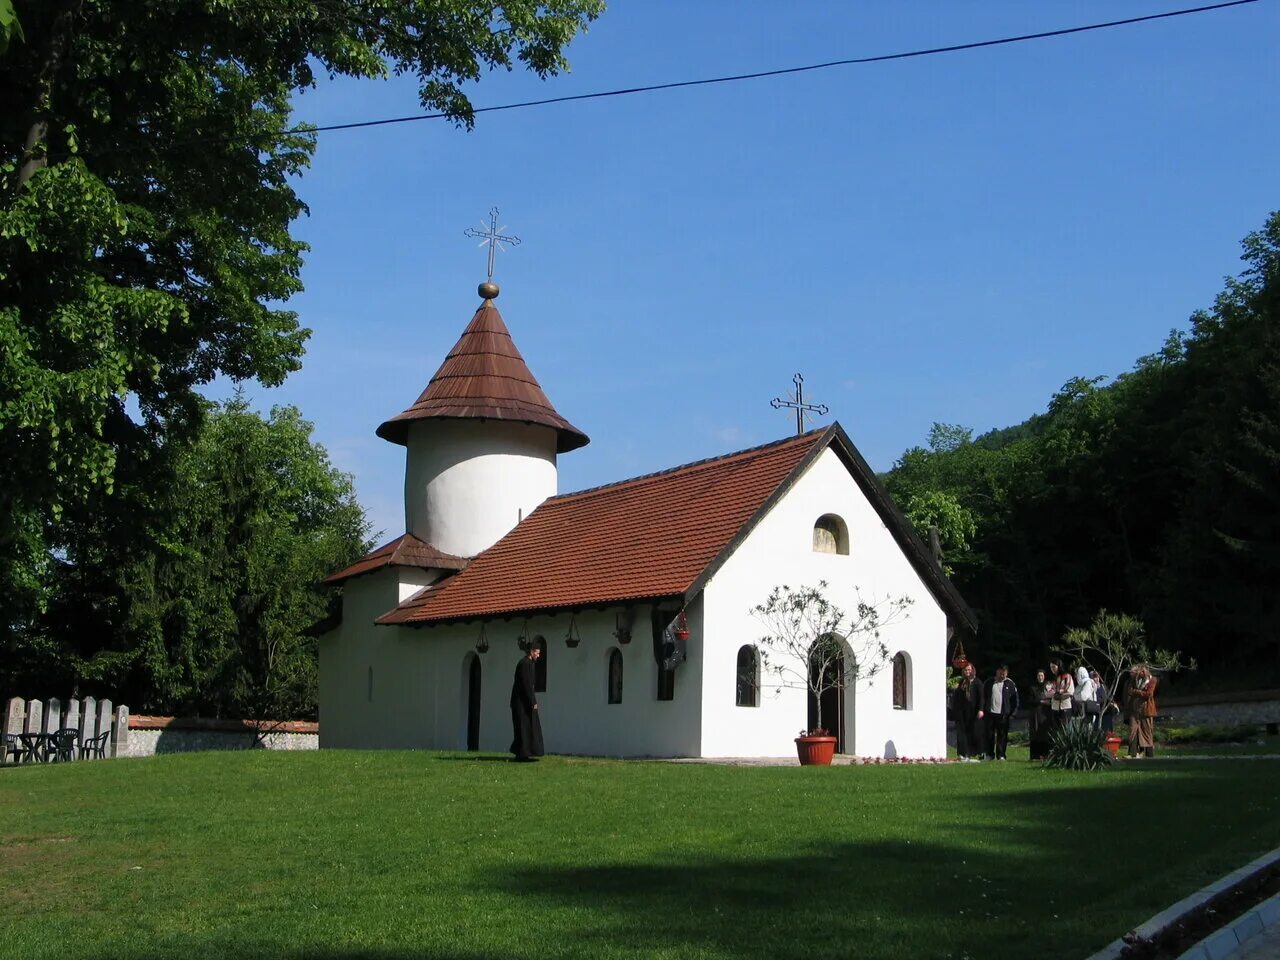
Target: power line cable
{"points": [[882, 58]]}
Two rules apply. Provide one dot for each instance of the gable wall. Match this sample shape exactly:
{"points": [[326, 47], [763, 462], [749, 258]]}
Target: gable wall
{"points": [[780, 550]]}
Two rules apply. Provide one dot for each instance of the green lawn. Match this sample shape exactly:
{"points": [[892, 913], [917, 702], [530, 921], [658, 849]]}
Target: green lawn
{"points": [[400, 855]]}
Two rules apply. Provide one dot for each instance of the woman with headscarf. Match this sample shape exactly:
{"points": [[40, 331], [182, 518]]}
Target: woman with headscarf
{"points": [[1085, 697]]}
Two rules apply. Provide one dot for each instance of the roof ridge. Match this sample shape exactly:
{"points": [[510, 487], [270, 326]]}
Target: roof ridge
{"points": [[814, 433]]}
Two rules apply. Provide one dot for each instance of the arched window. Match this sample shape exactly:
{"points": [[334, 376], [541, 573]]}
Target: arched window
{"points": [[748, 677], [540, 666], [830, 535], [901, 681], [615, 675]]}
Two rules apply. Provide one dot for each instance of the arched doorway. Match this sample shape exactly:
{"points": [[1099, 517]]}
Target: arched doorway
{"points": [[829, 657], [471, 673]]}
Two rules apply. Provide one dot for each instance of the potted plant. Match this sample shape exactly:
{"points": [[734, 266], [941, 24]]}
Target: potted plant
{"points": [[814, 645], [682, 627], [815, 748]]}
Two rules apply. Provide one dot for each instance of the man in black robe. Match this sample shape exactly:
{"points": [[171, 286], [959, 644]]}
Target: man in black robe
{"points": [[527, 743]]}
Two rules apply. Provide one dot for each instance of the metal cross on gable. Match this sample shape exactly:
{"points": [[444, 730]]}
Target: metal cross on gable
{"points": [[493, 237], [796, 402]]}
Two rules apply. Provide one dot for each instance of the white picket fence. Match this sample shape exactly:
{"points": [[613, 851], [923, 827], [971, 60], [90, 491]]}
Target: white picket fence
{"points": [[88, 717]]}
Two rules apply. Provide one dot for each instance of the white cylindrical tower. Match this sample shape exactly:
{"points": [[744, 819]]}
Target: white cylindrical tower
{"points": [[468, 482], [481, 441]]}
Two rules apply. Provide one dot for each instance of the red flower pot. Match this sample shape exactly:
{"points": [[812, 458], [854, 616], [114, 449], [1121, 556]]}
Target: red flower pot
{"points": [[682, 635], [816, 751], [1112, 743]]}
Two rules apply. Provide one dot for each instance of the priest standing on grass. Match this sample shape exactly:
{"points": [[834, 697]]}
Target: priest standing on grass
{"points": [[527, 742]]}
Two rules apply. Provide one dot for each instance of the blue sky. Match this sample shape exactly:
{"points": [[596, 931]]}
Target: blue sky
{"points": [[947, 238]]}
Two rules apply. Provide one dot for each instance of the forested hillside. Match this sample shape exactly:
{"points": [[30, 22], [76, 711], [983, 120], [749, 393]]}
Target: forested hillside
{"points": [[1157, 494]]}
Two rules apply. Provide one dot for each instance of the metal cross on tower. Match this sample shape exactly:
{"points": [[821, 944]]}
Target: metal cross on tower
{"points": [[493, 237], [797, 402]]}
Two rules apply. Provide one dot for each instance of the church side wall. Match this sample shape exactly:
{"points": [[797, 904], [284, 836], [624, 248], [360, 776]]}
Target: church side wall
{"points": [[780, 550], [421, 688], [576, 715]]}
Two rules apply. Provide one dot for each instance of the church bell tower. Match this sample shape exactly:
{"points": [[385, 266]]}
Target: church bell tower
{"points": [[481, 441]]}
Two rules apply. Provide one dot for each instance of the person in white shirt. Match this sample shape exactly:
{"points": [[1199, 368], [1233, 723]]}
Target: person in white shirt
{"points": [[1085, 697], [1000, 703]]}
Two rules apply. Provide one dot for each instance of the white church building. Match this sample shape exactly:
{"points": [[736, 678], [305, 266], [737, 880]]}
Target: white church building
{"points": [[493, 557]]}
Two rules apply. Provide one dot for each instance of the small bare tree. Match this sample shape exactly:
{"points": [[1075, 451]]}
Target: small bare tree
{"points": [[808, 636], [1114, 643]]}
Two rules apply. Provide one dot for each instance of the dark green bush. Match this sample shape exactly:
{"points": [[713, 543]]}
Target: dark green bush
{"points": [[1076, 745], [1240, 733]]}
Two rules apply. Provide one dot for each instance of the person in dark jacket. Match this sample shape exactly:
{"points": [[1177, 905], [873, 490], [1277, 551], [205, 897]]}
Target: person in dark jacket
{"points": [[966, 710], [1041, 693], [527, 727], [999, 703]]}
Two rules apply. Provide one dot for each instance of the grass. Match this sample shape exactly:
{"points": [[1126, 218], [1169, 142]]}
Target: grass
{"points": [[390, 855]]}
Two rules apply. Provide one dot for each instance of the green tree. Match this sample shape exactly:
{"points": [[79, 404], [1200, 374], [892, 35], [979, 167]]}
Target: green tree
{"points": [[1112, 644], [213, 618], [147, 162], [1157, 491]]}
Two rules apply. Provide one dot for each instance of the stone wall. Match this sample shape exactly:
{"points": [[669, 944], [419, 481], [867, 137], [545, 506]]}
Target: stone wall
{"points": [[149, 736], [1221, 710]]}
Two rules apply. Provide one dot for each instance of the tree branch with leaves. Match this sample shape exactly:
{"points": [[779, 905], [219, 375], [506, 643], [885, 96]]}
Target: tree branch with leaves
{"points": [[815, 645], [1113, 644]]}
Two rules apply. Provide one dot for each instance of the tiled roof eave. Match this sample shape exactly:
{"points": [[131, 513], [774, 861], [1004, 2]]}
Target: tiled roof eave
{"points": [[405, 550], [529, 612]]}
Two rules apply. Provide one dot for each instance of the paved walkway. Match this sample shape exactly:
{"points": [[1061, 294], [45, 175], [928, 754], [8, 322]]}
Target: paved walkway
{"points": [[839, 760], [845, 760], [1211, 756], [1265, 946]]}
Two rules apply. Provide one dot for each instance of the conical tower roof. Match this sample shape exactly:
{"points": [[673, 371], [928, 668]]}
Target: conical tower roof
{"points": [[485, 378]]}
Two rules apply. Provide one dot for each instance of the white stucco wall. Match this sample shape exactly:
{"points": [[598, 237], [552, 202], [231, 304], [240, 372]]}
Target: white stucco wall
{"points": [[365, 676], [421, 684], [468, 482], [780, 550]]}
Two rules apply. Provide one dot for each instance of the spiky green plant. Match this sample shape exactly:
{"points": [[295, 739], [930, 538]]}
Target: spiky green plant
{"points": [[1077, 745]]}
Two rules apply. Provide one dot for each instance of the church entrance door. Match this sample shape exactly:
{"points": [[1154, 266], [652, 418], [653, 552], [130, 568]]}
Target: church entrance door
{"points": [[473, 704], [832, 696]]}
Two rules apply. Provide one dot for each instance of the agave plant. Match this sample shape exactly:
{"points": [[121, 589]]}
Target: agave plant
{"points": [[1077, 745]]}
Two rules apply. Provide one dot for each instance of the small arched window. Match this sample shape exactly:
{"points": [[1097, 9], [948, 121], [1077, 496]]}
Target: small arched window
{"points": [[540, 667], [748, 677], [830, 535], [615, 675], [901, 681]]}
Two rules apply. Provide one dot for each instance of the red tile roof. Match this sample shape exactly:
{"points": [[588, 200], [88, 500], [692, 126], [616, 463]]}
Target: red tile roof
{"points": [[405, 550], [484, 377], [644, 538]]}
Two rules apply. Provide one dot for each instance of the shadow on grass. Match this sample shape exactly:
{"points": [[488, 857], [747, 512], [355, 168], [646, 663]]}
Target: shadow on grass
{"points": [[896, 897]]}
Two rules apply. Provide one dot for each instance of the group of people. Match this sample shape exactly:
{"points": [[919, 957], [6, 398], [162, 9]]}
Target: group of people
{"points": [[982, 710]]}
